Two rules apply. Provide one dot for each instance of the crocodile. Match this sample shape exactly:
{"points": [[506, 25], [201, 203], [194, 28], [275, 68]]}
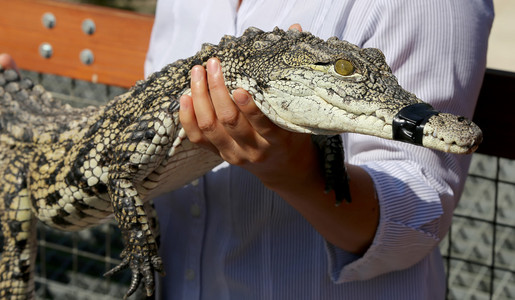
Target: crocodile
{"points": [[72, 168]]}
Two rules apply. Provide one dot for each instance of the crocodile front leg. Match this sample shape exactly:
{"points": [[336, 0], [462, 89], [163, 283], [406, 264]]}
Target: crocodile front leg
{"points": [[141, 149], [140, 253], [331, 155]]}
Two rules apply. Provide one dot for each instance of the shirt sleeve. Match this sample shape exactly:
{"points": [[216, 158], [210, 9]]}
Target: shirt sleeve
{"points": [[437, 49]]}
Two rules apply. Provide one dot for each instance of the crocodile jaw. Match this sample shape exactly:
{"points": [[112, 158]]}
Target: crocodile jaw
{"points": [[450, 133], [315, 115]]}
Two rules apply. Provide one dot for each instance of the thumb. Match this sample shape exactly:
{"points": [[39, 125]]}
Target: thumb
{"points": [[7, 62]]}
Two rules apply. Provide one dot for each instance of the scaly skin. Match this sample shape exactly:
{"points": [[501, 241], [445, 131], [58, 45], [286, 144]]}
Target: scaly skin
{"points": [[74, 168]]}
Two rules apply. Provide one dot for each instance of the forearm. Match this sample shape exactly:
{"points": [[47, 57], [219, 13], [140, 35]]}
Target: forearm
{"points": [[350, 226]]}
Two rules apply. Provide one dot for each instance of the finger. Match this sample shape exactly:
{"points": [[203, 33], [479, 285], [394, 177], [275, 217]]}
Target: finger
{"points": [[202, 106], [238, 130], [213, 133], [188, 119], [7, 62], [296, 26], [261, 123], [226, 111], [189, 123]]}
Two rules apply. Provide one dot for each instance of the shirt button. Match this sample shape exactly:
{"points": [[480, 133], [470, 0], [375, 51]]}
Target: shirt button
{"points": [[195, 211], [190, 274]]}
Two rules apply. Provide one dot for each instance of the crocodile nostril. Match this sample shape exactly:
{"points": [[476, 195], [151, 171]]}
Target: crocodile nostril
{"points": [[461, 119]]}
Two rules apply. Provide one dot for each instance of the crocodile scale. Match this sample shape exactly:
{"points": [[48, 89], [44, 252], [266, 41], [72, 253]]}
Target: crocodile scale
{"points": [[73, 168]]}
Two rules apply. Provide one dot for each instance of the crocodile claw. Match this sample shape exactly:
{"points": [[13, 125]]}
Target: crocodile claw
{"points": [[142, 268]]}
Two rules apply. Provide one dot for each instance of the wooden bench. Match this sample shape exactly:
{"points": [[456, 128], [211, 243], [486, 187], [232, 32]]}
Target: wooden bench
{"points": [[118, 40]]}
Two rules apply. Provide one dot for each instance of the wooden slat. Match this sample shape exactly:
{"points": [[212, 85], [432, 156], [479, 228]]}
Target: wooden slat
{"points": [[119, 43], [495, 114]]}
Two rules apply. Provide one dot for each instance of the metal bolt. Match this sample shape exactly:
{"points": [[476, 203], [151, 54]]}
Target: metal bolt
{"points": [[45, 50], [87, 57], [88, 26], [48, 20]]}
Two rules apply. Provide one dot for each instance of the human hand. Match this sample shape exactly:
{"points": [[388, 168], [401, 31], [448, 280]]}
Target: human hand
{"points": [[7, 62], [240, 133]]}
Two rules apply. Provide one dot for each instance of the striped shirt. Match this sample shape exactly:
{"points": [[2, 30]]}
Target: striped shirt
{"points": [[228, 237]]}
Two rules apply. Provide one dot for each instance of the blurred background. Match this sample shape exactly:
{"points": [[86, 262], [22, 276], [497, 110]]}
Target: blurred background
{"points": [[479, 249]]}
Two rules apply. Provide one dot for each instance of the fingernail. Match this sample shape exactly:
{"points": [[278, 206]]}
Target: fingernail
{"points": [[184, 104], [196, 75], [241, 98], [213, 66]]}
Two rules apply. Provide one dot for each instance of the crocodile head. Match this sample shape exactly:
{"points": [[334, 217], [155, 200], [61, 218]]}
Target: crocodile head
{"points": [[306, 84]]}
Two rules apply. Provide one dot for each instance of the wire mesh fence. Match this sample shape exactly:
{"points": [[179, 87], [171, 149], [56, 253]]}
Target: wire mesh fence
{"points": [[479, 249], [70, 264]]}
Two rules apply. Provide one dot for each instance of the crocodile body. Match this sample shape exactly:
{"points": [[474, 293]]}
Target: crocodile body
{"points": [[74, 168]]}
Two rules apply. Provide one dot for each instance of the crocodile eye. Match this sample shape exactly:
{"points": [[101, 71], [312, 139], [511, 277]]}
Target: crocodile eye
{"points": [[343, 67]]}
